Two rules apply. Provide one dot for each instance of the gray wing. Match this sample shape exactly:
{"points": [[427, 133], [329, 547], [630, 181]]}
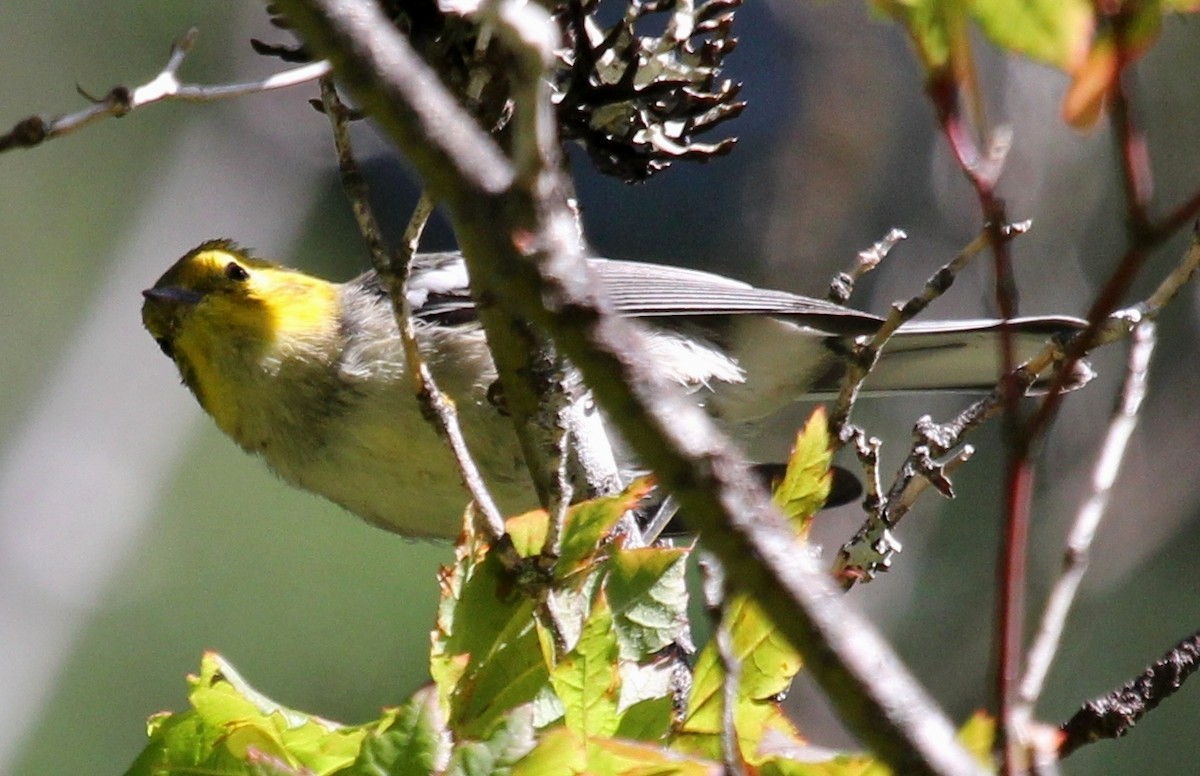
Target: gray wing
{"points": [[438, 292], [655, 290]]}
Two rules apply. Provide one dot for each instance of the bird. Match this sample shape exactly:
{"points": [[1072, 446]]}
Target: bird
{"points": [[310, 375]]}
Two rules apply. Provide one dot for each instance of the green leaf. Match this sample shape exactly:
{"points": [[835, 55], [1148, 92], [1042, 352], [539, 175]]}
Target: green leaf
{"points": [[978, 735], [411, 741], [528, 532], [587, 523], [511, 740], [647, 720], [805, 485], [486, 656], [836, 765], [931, 25], [587, 681], [1054, 32], [647, 590], [562, 753], [767, 664], [767, 661], [234, 729]]}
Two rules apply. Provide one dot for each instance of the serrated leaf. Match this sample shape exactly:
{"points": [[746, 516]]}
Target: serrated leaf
{"points": [[768, 661], [586, 680], [234, 729], [587, 523], [562, 753], [767, 664], [412, 741], [806, 482], [486, 658], [647, 589]]}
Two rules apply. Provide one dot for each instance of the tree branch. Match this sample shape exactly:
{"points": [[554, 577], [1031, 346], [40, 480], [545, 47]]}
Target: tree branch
{"points": [[165, 87], [394, 271]]}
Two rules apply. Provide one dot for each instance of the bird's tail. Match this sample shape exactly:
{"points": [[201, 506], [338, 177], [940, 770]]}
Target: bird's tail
{"points": [[965, 355]]}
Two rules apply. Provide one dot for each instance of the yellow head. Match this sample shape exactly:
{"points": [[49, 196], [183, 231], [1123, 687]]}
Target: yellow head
{"points": [[229, 321]]}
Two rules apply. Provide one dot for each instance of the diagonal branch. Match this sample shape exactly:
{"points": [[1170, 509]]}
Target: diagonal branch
{"points": [[166, 86], [394, 269], [524, 255], [1079, 542]]}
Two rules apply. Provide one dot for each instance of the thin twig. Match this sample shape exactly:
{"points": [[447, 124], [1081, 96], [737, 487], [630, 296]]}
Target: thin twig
{"points": [[1079, 541], [164, 87], [716, 600], [729, 690], [873, 546], [1115, 714], [842, 285], [865, 356], [394, 272]]}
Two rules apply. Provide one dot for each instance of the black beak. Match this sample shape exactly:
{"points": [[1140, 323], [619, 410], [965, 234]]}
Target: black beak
{"points": [[173, 294]]}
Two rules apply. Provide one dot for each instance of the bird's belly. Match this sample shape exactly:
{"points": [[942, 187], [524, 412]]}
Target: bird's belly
{"points": [[385, 463]]}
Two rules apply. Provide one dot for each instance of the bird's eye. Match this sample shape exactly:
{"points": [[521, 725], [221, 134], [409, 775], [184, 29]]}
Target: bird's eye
{"points": [[237, 272]]}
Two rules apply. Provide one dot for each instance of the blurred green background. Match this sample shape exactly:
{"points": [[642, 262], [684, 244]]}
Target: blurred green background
{"points": [[133, 536]]}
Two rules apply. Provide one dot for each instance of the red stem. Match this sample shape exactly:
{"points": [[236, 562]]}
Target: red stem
{"points": [[983, 173]]}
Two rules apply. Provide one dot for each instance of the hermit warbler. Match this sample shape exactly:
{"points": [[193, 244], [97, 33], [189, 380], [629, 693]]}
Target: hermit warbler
{"points": [[310, 375]]}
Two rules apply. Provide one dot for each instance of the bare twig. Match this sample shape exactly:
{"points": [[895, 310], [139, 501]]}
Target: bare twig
{"points": [[716, 599], [1115, 714], [122, 100], [865, 355], [872, 548], [842, 285], [394, 274], [1079, 541]]}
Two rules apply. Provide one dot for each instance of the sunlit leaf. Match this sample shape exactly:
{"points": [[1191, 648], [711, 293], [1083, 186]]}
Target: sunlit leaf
{"points": [[767, 664], [648, 593], [528, 532], [978, 735], [589, 522], [486, 657], [805, 485], [413, 741], [234, 729], [587, 680], [563, 753], [1054, 32], [505, 745]]}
